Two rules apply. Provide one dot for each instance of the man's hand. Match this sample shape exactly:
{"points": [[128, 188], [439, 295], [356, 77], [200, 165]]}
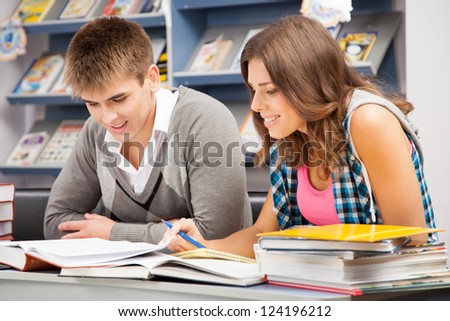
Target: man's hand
{"points": [[94, 226]]}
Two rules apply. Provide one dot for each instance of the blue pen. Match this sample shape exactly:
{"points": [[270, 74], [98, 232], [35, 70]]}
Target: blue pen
{"points": [[185, 236]]}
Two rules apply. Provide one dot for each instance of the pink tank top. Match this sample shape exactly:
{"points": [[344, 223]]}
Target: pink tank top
{"points": [[316, 206]]}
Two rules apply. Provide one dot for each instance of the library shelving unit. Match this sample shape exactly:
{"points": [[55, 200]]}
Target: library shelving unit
{"points": [[59, 106], [187, 24], [195, 22]]}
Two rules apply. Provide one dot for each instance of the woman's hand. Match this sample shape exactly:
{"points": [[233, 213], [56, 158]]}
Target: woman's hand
{"points": [[178, 244]]}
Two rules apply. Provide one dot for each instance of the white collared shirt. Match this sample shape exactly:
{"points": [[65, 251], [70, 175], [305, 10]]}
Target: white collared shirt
{"points": [[137, 178]]}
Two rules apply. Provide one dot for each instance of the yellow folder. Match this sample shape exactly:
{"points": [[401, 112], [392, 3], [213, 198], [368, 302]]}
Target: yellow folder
{"points": [[352, 232]]}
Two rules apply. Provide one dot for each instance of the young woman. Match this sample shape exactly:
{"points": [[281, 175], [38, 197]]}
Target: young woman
{"points": [[340, 151]]}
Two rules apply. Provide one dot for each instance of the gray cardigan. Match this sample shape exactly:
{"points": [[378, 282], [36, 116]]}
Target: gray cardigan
{"points": [[199, 174]]}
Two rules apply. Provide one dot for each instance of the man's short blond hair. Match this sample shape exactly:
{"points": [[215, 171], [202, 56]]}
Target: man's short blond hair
{"points": [[105, 49]]}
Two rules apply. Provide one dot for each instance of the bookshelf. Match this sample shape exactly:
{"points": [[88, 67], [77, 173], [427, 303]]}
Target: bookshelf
{"points": [[59, 106], [187, 24], [199, 21]]}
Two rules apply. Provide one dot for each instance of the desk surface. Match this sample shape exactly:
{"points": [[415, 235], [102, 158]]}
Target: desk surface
{"points": [[17, 286], [22, 286]]}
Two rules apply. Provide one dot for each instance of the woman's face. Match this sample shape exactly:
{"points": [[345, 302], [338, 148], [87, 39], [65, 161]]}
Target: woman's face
{"points": [[279, 117]]}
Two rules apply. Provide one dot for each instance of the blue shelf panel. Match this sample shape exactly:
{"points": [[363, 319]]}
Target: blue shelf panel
{"points": [[72, 26], [202, 4], [34, 99], [190, 79], [30, 170]]}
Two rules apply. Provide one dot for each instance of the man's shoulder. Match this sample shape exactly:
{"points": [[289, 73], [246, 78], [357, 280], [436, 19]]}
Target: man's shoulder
{"points": [[92, 130], [194, 101], [195, 107]]}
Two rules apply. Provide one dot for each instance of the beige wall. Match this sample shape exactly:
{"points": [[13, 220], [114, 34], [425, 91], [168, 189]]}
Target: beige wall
{"points": [[427, 84]]}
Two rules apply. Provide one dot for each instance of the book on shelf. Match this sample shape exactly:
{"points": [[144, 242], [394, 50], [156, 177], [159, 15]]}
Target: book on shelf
{"points": [[121, 7], [77, 9], [31, 11], [158, 46], [27, 149], [236, 64], [357, 45], [7, 192], [40, 75], [224, 48], [206, 55], [352, 232], [60, 145], [150, 6], [59, 87]]}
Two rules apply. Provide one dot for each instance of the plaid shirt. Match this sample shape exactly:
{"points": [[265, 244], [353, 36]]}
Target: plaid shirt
{"points": [[353, 200]]}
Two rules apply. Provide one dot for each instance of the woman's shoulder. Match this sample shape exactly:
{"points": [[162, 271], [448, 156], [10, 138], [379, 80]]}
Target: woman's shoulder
{"points": [[373, 116]]}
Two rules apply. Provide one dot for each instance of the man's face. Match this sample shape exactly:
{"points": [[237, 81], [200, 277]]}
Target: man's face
{"points": [[125, 109]]}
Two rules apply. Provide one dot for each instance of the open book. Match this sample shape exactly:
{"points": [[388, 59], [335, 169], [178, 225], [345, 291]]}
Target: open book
{"points": [[122, 259], [158, 265], [39, 255]]}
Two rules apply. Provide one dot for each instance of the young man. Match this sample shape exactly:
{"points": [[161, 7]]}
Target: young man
{"points": [[148, 153]]}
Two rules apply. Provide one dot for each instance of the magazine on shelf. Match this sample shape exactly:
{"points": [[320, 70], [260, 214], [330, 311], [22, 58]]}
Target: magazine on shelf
{"points": [[158, 46], [59, 86], [358, 45], [205, 57], [121, 7], [31, 11], [236, 64], [77, 9], [224, 48], [28, 148], [60, 145], [40, 75]]}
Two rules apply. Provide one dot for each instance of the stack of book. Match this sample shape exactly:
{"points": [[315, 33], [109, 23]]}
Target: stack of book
{"points": [[6, 211], [352, 259]]}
